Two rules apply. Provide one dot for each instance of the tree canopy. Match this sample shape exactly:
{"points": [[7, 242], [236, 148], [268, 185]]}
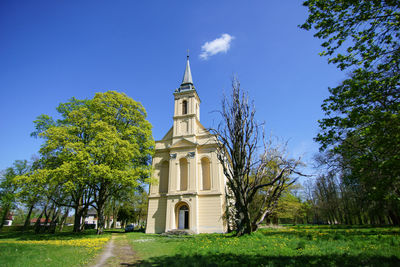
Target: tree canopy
{"points": [[362, 125], [98, 148], [8, 187]]}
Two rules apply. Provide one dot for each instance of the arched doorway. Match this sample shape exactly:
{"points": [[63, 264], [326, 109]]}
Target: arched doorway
{"points": [[182, 213]]}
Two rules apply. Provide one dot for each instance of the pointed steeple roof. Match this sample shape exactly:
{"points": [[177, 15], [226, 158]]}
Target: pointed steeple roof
{"points": [[187, 77], [187, 82]]}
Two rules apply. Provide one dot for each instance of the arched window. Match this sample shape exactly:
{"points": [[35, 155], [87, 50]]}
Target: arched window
{"points": [[184, 174], [184, 107], [205, 168], [164, 175]]}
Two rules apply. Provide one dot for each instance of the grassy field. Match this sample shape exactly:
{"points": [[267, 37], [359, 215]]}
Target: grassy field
{"points": [[61, 249], [286, 246]]}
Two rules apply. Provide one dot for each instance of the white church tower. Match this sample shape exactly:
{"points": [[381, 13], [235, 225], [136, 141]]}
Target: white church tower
{"points": [[189, 192]]}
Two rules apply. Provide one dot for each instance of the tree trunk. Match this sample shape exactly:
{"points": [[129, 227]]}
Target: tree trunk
{"points": [[77, 219], [83, 216], [47, 216], [395, 219], [63, 219], [54, 220], [242, 218], [28, 218], [37, 224], [360, 220], [100, 218], [108, 221], [381, 220], [5, 213], [115, 215]]}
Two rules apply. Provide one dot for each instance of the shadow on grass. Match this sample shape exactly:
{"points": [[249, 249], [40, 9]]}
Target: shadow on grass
{"points": [[329, 232], [259, 260], [115, 231], [30, 235]]}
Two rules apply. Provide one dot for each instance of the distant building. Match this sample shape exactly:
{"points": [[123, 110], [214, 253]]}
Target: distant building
{"points": [[190, 193], [91, 219], [9, 219], [42, 221]]}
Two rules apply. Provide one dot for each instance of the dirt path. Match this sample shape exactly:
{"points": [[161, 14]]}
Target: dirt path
{"points": [[118, 252]]}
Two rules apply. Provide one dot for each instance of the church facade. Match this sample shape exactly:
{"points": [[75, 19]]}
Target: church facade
{"points": [[189, 188]]}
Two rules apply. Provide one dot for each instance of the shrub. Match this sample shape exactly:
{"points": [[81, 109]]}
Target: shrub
{"points": [[301, 245]]}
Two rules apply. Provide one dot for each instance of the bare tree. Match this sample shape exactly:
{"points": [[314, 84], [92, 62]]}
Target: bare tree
{"points": [[251, 169]]}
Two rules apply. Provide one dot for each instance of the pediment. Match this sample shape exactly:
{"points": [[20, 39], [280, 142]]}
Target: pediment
{"points": [[183, 143]]}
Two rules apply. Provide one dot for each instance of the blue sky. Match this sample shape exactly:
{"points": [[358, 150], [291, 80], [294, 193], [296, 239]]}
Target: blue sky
{"points": [[51, 51]]}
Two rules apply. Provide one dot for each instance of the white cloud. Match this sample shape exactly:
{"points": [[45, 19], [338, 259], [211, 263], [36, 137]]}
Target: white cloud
{"points": [[219, 45]]}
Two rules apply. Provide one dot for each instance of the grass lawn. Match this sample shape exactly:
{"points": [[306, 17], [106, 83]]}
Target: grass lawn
{"points": [[61, 249], [287, 246]]}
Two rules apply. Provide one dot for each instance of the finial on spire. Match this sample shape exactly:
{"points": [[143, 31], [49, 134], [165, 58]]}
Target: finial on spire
{"points": [[187, 54]]}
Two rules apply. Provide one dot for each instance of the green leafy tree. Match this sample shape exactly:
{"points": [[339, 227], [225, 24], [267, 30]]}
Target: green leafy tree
{"points": [[97, 149], [134, 209], [362, 123], [9, 188], [140, 202], [31, 191], [126, 214], [290, 208], [122, 151]]}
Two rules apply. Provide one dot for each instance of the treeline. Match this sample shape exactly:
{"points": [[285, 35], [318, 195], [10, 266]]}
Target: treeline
{"points": [[97, 154], [340, 194], [334, 199], [337, 196]]}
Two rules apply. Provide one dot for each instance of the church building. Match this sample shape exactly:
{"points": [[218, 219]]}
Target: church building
{"points": [[189, 192]]}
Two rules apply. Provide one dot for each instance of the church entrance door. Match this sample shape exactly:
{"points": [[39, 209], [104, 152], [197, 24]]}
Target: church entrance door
{"points": [[183, 217]]}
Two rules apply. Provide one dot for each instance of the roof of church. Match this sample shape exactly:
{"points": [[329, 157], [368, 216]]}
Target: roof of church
{"points": [[187, 77], [187, 81]]}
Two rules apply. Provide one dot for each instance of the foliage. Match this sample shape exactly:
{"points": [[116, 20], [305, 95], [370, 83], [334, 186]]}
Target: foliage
{"points": [[8, 187], [290, 208], [134, 209], [362, 124], [284, 246], [126, 214], [334, 199], [356, 33], [98, 149]]}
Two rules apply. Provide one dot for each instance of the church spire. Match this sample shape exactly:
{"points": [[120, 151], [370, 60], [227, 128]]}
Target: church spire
{"points": [[187, 82]]}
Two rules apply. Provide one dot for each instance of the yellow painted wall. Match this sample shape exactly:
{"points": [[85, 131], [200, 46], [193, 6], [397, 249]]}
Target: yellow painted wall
{"points": [[183, 148], [210, 214], [156, 215]]}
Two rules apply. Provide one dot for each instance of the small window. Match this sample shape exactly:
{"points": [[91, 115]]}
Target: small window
{"points": [[184, 107]]}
